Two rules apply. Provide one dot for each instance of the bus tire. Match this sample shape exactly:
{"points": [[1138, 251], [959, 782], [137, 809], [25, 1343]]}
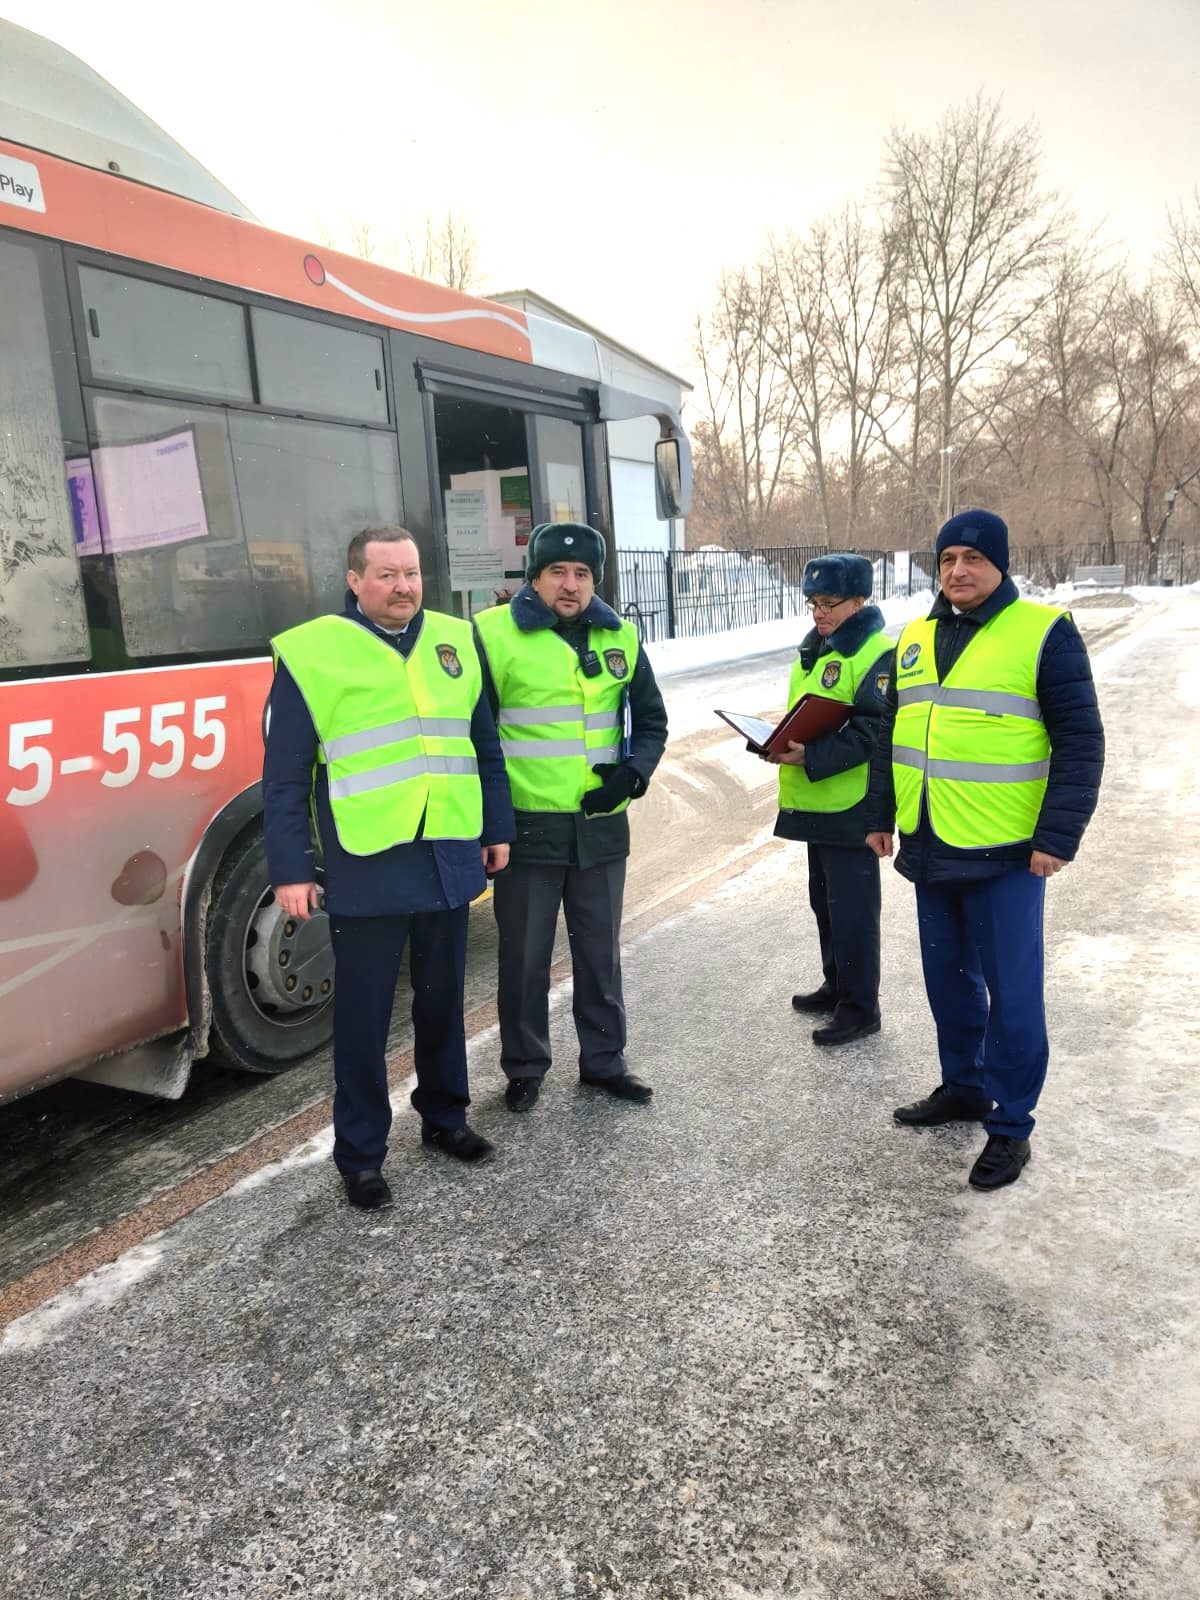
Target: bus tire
{"points": [[270, 977]]}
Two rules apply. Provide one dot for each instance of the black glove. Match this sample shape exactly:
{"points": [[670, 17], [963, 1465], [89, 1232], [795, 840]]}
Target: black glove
{"points": [[617, 784]]}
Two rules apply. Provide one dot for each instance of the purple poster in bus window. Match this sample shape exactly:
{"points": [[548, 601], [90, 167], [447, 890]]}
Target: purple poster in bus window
{"points": [[81, 490], [149, 493]]}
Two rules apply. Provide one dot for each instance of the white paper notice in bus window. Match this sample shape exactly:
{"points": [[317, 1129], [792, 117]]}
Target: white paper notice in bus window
{"points": [[474, 558], [149, 493]]}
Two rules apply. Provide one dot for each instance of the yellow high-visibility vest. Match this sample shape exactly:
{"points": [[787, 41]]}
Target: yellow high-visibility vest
{"points": [[975, 745], [395, 734], [836, 677], [556, 723]]}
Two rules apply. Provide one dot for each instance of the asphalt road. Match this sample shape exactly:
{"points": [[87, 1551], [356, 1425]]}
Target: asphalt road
{"points": [[752, 1341]]}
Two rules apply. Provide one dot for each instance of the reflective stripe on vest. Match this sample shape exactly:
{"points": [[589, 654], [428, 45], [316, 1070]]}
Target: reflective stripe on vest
{"points": [[555, 723], [975, 747], [394, 733], [799, 792]]}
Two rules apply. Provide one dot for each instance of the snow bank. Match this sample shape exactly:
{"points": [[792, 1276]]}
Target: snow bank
{"points": [[761, 638]]}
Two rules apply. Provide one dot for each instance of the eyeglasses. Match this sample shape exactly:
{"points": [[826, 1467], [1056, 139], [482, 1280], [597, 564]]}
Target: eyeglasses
{"points": [[825, 605]]}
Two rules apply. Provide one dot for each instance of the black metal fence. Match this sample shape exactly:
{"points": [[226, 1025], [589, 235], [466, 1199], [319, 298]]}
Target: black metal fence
{"points": [[675, 594], [679, 594], [1176, 563]]}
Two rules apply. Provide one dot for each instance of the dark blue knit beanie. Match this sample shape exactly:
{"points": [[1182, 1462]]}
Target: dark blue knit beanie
{"points": [[983, 530], [839, 574]]}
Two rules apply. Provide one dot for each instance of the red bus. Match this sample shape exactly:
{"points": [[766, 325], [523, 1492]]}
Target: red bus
{"points": [[195, 413]]}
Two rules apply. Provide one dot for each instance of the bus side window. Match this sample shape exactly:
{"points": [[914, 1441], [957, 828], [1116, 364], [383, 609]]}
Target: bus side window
{"points": [[159, 337], [304, 365], [304, 488], [171, 526]]}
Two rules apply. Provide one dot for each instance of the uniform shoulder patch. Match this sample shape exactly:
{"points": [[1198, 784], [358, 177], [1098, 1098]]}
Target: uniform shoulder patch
{"points": [[882, 679], [616, 663], [448, 660], [831, 674]]}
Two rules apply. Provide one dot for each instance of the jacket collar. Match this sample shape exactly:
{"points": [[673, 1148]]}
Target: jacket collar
{"points": [[531, 613], [847, 640], [942, 610], [412, 631]]}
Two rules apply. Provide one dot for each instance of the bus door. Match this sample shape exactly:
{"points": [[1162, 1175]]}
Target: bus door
{"points": [[502, 459]]}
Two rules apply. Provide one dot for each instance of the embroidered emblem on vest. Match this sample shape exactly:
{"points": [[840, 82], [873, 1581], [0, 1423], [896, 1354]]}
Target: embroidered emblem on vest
{"points": [[831, 674], [448, 657], [616, 663], [910, 655]]}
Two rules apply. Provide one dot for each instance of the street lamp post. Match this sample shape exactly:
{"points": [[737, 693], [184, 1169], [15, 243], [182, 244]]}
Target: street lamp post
{"points": [[948, 452]]}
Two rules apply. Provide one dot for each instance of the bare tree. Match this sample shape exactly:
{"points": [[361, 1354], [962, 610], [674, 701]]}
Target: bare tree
{"points": [[445, 249], [1182, 255], [1058, 430], [796, 335], [975, 232], [832, 334], [1160, 451], [747, 402], [360, 237]]}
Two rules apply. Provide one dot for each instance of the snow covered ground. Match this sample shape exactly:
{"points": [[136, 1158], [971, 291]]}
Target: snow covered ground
{"points": [[754, 1342]]}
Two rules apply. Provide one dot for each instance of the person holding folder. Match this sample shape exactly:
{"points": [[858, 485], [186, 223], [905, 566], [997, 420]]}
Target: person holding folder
{"points": [[823, 788]]}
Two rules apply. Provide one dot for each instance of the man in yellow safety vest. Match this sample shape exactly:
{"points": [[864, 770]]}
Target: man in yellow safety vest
{"points": [[380, 731], [583, 727], [989, 762]]}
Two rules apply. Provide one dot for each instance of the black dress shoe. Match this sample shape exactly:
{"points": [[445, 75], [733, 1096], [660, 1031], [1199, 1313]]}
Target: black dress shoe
{"points": [[999, 1162], [822, 999], [464, 1144], [367, 1190], [624, 1085], [846, 1032], [522, 1093], [943, 1105]]}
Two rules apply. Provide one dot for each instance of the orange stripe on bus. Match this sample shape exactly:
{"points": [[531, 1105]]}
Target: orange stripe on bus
{"points": [[123, 218]]}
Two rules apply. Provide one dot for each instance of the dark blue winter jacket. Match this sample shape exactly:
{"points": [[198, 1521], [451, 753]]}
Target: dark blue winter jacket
{"points": [[1067, 697], [427, 875]]}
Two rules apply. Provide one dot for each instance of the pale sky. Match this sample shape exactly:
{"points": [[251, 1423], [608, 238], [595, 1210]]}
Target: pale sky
{"points": [[615, 154]]}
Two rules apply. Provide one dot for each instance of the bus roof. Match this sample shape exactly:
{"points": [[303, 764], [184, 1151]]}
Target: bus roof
{"points": [[52, 101], [80, 163]]}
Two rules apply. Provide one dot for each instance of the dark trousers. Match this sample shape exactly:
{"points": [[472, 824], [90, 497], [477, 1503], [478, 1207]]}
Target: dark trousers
{"points": [[366, 953], [527, 899], [843, 890], [983, 953]]}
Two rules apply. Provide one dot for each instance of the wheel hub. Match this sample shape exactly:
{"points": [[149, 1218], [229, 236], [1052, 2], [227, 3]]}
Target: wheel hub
{"points": [[289, 962]]}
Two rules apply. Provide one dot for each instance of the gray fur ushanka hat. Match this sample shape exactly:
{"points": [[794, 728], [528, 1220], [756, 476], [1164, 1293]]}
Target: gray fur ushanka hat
{"points": [[839, 574]]}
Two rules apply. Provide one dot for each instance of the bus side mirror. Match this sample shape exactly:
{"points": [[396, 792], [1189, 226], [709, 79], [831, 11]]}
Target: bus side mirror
{"points": [[673, 477]]}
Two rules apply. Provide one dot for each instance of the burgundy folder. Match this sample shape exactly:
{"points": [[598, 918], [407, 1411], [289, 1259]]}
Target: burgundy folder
{"points": [[811, 718]]}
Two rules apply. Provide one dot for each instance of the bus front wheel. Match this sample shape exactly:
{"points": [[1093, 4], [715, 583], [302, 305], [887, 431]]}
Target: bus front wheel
{"points": [[270, 976]]}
